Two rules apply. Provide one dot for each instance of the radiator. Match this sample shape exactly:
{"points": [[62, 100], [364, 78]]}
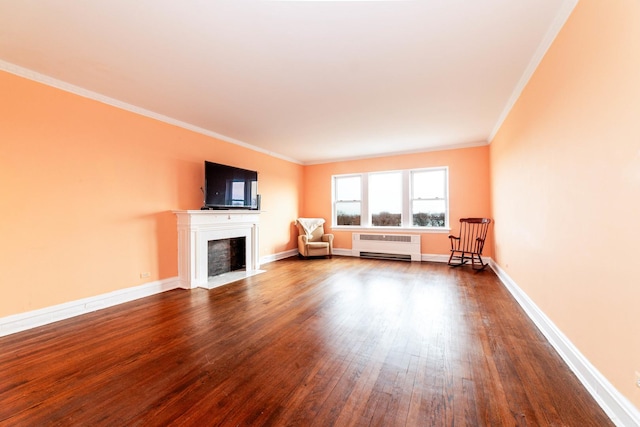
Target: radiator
{"points": [[393, 246]]}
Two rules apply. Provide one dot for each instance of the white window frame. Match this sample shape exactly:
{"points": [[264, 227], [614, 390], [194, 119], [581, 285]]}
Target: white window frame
{"points": [[407, 215], [335, 201], [410, 199]]}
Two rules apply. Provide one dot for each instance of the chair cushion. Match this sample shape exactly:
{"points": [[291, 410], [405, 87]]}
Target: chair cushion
{"points": [[317, 245]]}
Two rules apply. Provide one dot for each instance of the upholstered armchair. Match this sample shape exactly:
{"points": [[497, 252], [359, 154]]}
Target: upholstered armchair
{"points": [[312, 241]]}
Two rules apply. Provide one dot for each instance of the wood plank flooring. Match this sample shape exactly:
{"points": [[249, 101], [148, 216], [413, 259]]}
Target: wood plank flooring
{"points": [[321, 342]]}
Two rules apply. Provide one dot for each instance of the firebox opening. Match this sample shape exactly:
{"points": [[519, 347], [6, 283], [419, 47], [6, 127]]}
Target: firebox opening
{"points": [[226, 255]]}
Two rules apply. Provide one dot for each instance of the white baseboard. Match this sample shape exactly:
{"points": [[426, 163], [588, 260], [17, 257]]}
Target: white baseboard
{"points": [[31, 319], [280, 255], [342, 252], [435, 257], [617, 407]]}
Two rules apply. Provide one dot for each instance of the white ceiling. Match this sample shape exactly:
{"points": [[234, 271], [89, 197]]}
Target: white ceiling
{"points": [[309, 81]]}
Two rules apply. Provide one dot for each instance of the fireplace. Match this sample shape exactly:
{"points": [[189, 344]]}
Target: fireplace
{"points": [[200, 230]]}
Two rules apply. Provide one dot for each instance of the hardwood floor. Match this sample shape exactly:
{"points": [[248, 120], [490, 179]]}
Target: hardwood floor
{"points": [[319, 342]]}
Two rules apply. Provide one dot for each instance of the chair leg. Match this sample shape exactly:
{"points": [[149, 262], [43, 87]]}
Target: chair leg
{"points": [[482, 264], [476, 264], [456, 264], [450, 258]]}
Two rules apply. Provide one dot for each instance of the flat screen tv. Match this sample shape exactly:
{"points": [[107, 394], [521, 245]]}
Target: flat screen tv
{"points": [[228, 187]]}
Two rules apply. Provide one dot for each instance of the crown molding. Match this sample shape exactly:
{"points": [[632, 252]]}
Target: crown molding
{"points": [[403, 153], [85, 93], [541, 51]]}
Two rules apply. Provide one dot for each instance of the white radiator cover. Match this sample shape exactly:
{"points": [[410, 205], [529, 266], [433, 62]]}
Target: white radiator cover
{"points": [[392, 244]]}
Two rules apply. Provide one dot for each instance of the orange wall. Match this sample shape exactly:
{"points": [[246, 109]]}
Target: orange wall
{"points": [[566, 187], [468, 189], [87, 189]]}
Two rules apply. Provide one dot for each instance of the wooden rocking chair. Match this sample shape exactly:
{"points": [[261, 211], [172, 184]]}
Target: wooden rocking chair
{"points": [[469, 244]]}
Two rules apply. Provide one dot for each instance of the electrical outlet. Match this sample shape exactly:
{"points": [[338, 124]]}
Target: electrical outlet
{"points": [[145, 275]]}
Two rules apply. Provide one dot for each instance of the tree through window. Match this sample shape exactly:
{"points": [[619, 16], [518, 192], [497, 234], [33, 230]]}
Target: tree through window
{"points": [[348, 200]]}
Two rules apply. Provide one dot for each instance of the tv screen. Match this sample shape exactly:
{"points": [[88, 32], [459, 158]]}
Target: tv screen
{"points": [[228, 187]]}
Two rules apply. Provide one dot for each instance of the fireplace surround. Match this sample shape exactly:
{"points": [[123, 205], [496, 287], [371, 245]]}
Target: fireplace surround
{"points": [[197, 227]]}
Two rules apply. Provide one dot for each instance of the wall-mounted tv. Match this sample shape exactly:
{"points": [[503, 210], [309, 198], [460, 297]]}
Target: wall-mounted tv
{"points": [[228, 187]]}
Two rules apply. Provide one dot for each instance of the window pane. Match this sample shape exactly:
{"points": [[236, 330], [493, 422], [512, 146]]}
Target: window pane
{"points": [[385, 199], [348, 213], [428, 213], [428, 184], [348, 188]]}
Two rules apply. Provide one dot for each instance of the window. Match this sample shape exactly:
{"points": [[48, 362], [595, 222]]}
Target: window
{"points": [[347, 200], [385, 199], [429, 198], [406, 198]]}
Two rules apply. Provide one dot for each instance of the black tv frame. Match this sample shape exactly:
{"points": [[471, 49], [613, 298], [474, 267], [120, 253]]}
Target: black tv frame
{"points": [[218, 187]]}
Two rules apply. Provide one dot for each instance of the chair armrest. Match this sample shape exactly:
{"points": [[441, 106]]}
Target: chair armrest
{"points": [[327, 238], [302, 245], [303, 240], [454, 237]]}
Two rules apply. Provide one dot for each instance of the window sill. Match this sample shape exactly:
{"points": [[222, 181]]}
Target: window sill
{"points": [[428, 230]]}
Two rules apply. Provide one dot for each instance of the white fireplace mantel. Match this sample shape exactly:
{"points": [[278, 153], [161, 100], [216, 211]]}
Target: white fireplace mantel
{"points": [[197, 227]]}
